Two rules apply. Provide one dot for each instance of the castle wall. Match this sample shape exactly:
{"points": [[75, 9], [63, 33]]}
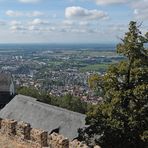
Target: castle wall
{"points": [[23, 132]]}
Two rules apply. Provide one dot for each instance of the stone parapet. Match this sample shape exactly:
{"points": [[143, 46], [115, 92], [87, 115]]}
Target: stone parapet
{"points": [[8, 127], [39, 136], [22, 132], [57, 141], [77, 144]]}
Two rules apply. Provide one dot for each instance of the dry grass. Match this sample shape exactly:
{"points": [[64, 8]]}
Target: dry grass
{"points": [[6, 142]]}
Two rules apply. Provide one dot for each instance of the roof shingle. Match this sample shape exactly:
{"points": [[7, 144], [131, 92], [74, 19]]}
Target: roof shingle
{"points": [[44, 116]]}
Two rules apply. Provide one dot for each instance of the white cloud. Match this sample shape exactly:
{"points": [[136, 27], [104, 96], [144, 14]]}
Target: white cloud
{"points": [[84, 14], [84, 23], [38, 21], [13, 13], [141, 9], [17, 28], [108, 2], [33, 28], [29, 1], [34, 14], [117, 29], [14, 23], [140, 3], [68, 23], [76, 24], [76, 27]]}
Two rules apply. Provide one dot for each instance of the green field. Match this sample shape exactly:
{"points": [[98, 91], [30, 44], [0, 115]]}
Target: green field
{"points": [[95, 67], [97, 53]]}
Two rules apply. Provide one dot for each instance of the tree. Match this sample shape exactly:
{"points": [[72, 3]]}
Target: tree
{"points": [[33, 92], [67, 101], [121, 120], [70, 102]]}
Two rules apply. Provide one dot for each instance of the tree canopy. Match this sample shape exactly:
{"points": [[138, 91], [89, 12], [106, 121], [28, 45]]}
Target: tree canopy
{"points": [[121, 120], [67, 101]]}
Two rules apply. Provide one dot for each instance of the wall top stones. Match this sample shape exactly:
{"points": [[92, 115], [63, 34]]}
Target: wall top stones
{"points": [[23, 132]]}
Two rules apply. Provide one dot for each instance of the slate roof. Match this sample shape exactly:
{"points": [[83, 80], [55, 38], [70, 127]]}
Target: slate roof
{"points": [[44, 116], [5, 81]]}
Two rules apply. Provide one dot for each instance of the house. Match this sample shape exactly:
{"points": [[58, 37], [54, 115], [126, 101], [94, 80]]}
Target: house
{"points": [[7, 90], [47, 117]]}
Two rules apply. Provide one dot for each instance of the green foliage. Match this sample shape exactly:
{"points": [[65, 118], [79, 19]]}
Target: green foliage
{"points": [[95, 67], [68, 101], [71, 103], [121, 120], [32, 92]]}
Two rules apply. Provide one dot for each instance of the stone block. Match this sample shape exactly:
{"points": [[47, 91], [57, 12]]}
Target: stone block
{"points": [[58, 141], [64, 143], [23, 130], [52, 140], [39, 136], [8, 127], [77, 144]]}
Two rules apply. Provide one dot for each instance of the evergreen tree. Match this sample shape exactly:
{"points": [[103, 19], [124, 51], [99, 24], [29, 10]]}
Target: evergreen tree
{"points": [[121, 120]]}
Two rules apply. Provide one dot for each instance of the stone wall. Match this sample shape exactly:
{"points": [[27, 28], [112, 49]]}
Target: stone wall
{"points": [[23, 132]]}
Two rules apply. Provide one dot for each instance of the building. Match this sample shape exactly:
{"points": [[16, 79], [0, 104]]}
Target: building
{"points": [[7, 90], [43, 116]]}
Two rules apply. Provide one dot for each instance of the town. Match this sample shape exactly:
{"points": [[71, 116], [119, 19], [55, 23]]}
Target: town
{"points": [[58, 71]]}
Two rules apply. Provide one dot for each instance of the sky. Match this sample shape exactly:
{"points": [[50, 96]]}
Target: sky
{"points": [[69, 21]]}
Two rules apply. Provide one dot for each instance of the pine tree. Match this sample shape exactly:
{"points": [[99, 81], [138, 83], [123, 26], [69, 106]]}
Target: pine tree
{"points": [[121, 120]]}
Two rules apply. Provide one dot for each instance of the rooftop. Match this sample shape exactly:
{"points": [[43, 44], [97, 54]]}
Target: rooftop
{"points": [[44, 116]]}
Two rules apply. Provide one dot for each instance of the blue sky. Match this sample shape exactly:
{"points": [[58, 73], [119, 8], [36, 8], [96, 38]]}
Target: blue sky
{"points": [[69, 21]]}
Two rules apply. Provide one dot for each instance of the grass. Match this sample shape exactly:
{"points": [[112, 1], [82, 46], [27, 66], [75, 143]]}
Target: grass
{"points": [[95, 67], [98, 53], [55, 63]]}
